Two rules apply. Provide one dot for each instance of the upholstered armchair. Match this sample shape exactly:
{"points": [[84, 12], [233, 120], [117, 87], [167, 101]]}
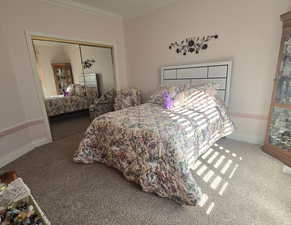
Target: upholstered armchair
{"points": [[127, 98], [103, 104], [91, 94], [115, 101]]}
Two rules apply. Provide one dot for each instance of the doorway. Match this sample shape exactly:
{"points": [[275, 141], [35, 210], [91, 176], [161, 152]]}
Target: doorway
{"points": [[73, 75]]}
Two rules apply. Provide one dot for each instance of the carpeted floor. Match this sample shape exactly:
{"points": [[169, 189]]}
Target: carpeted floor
{"points": [[241, 184], [69, 124]]}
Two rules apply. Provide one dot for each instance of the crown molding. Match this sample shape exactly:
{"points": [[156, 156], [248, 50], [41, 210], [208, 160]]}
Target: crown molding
{"points": [[83, 7]]}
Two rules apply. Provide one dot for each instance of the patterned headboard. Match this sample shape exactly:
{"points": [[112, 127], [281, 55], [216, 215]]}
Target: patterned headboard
{"points": [[195, 74]]}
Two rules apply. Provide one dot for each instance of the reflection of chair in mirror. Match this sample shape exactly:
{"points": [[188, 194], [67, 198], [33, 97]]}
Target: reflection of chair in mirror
{"points": [[103, 104], [115, 101], [77, 98]]}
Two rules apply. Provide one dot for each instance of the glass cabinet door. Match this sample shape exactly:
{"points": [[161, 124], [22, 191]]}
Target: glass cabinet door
{"points": [[280, 127], [283, 94]]}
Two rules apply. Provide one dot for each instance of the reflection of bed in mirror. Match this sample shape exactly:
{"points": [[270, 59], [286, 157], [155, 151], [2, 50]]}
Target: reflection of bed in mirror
{"points": [[74, 96], [77, 97], [68, 86]]}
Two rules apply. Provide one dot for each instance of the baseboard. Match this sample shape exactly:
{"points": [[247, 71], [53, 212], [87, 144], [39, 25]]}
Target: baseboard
{"points": [[40, 142], [17, 153], [248, 139], [287, 169]]}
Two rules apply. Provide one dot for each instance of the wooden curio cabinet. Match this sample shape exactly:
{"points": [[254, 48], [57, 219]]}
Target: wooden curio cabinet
{"points": [[278, 135], [63, 76]]}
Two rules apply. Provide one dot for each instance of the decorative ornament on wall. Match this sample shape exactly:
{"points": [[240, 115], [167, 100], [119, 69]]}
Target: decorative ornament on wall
{"points": [[88, 63], [192, 44]]}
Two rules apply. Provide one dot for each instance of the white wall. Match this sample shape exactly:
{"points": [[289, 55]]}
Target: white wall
{"points": [[11, 107], [51, 52], [46, 55], [249, 34], [22, 120], [73, 53]]}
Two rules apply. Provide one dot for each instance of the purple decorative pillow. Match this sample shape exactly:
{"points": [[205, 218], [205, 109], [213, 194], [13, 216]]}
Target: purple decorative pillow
{"points": [[66, 93], [168, 101]]}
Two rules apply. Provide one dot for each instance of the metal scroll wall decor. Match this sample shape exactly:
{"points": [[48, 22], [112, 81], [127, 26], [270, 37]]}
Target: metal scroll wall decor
{"points": [[88, 63], [192, 44]]}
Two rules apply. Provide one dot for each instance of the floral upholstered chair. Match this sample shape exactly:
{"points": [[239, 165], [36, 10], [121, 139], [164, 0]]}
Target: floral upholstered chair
{"points": [[127, 98], [103, 104], [111, 101]]}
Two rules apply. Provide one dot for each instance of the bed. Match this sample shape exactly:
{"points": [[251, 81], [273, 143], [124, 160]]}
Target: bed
{"points": [[156, 147], [76, 101], [60, 104]]}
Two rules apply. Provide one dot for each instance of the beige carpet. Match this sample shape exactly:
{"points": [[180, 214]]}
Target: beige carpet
{"points": [[242, 186], [69, 124]]}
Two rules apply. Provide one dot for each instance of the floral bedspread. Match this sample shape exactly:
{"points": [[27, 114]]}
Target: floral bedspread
{"points": [[156, 147], [60, 104]]}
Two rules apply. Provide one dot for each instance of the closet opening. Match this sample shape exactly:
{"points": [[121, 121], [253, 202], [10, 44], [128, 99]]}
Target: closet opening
{"points": [[73, 75]]}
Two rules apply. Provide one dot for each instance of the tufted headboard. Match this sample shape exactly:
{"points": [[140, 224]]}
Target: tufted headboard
{"points": [[195, 74]]}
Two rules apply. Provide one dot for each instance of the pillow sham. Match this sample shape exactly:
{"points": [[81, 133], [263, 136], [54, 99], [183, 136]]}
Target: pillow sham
{"points": [[175, 92], [158, 96], [80, 90], [188, 96], [91, 91], [193, 98], [70, 91], [210, 88], [180, 99]]}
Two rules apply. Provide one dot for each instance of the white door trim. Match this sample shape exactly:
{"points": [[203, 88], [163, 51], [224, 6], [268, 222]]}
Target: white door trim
{"points": [[37, 82]]}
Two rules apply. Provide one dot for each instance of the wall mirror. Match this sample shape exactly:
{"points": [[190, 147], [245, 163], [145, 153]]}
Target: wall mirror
{"points": [[72, 76]]}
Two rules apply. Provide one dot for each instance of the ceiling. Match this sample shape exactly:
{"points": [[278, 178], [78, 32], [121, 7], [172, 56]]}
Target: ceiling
{"points": [[125, 8]]}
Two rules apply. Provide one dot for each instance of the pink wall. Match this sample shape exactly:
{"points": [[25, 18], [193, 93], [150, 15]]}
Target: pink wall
{"points": [[12, 112], [16, 17], [46, 55], [249, 34]]}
